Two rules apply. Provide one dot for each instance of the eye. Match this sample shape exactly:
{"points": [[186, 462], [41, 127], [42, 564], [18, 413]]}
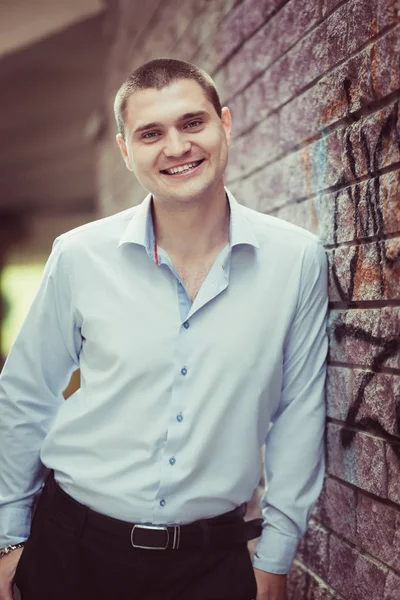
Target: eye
{"points": [[194, 124], [150, 135]]}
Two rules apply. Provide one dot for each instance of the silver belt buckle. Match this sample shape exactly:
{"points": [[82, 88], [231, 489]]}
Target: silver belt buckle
{"points": [[176, 540]]}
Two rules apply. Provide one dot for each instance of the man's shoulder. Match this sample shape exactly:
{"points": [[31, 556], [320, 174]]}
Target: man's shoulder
{"points": [[269, 229], [99, 232]]}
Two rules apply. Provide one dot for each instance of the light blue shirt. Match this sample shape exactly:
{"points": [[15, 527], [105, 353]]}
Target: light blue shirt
{"points": [[176, 398]]}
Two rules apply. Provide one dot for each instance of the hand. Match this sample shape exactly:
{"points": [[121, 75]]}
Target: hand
{"points": [[269, 585], [8, 566]]}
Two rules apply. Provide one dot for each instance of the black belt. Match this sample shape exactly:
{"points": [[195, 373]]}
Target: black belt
{"points": [[224, 530]]}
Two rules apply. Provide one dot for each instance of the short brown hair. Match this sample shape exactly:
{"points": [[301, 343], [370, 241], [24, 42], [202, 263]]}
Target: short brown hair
{"points": [[160, 73]]}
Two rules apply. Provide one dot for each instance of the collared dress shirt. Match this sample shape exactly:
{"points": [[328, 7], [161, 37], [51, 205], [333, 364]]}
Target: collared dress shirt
{"points": [[176, 398]]}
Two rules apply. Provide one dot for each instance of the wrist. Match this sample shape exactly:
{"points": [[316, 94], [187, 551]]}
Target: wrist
{"points": [[8, 549]]}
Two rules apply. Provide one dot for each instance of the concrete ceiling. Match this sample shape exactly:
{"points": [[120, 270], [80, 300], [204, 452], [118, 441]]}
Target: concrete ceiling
{"points": [[51, 106], [23, 22]]}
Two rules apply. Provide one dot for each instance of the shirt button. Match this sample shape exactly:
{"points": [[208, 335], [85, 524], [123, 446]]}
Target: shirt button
{"points": [[184, 371], [172, 460], [179, 417], [186, 324], [162, 502]]}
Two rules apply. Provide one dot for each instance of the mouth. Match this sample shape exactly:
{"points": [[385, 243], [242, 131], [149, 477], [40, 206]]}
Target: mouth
{"points": [[183, 170]]}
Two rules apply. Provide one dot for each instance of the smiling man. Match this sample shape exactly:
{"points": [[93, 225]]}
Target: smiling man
{"points": [[199, 329]]}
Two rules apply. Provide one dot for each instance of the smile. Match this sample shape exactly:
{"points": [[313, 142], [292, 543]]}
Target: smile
{"points": [[183, 169]]}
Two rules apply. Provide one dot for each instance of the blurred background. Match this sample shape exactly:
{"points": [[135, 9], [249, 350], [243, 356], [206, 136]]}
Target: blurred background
{"points": [[52, 57], [314, 90]]}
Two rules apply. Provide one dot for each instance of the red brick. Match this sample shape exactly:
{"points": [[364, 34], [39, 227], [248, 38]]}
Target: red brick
{"points": [[337, 508], [354, 336], [259, 98], [302, 585], [371, 473], [389, 202], [313, 549], [393, 469], [298, 583], [342, 560], [369, 580], [340, 461], [296, 175], [372, 143], [319, 166], [385, 64], [202, 34], [378, 404], [391, 261], [389, 331], [268, 44], [338, 223], [378, 530], [329, 5], [377, 16], [360, 211], [164, 29], [339, 392], [354, 576], [380, 401], [337, 345], [251, 151], [234, 30], [314, 55], [372, 74], [299, 213], [392, 587], [361, 463], [366, 272], [319, 591]]}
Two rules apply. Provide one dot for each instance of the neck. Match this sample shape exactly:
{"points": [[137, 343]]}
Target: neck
{"points": [[192, 230]]}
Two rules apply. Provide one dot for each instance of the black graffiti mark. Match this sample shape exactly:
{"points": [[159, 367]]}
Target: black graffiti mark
{"points": [[388, 348], [374, 213], [374, 221]]}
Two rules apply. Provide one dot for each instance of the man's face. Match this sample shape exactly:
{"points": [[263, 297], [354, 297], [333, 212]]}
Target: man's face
{"points": [[172, 128]]}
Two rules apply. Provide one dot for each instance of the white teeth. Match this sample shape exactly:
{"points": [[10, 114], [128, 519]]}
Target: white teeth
{"points": [[182, 169]]}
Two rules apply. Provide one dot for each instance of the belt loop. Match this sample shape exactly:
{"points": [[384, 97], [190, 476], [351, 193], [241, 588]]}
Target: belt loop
{"points": [[177, 537], [205, 528]]}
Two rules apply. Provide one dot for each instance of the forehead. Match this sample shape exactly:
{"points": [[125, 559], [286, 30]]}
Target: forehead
{"points": [[168, 104]]}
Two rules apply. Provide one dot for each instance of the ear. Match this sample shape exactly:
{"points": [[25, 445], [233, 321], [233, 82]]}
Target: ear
{"points": [[124, 151], [226, 119]]}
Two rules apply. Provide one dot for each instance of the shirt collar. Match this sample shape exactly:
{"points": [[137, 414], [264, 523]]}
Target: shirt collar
{"points": [[140, 229]]}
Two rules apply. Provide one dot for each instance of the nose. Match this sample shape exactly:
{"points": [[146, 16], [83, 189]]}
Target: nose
{"points": [[176, 145]]}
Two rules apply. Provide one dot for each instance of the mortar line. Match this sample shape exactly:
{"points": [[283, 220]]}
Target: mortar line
{"points": [[392, 439], [322, 583], [373, 239], [333, 188], [362, 304], [317, 79], [356, 366]]}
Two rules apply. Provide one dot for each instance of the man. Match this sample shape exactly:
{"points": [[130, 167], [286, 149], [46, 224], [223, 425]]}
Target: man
{"points": [[199, 329]]}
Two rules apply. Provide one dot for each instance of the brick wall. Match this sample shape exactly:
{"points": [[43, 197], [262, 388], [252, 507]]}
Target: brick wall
{"points": [[314, 88]]}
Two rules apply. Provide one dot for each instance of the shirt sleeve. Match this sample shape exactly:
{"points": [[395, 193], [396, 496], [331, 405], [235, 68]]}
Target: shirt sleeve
{"points": [[37, 370], [294, 448]]}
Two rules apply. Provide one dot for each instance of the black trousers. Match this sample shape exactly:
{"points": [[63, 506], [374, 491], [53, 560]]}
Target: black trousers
{"points": [[63, 560]]}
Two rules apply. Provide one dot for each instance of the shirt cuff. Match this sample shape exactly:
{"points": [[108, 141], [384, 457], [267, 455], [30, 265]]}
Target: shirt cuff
{"points": [[275, 551], [15, 524]]}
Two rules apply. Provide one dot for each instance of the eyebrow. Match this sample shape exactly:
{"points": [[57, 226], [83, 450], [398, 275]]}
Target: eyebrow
{"points": [[189, 115]]}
